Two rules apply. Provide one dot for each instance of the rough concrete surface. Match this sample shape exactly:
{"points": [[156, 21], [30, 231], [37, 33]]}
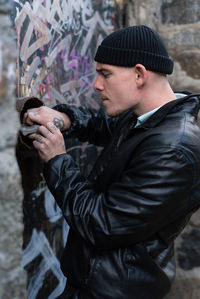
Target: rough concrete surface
{"points": [[12, 275]]}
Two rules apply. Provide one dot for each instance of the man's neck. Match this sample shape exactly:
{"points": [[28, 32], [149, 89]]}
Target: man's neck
{"points": [[153, 97]]}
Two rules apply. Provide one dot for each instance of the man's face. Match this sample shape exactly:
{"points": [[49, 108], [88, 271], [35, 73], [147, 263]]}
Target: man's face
{"points": [[117, 87]]}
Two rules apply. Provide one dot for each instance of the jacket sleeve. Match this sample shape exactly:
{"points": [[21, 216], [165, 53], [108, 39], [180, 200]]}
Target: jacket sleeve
{"points": [[151, 193], [88, 124]]}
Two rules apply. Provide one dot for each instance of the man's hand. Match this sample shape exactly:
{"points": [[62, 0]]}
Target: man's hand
{"points": [[43, 115], [48, 141]]}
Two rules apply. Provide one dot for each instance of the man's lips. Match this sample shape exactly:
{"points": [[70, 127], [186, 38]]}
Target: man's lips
{"points": [[104, 99]]}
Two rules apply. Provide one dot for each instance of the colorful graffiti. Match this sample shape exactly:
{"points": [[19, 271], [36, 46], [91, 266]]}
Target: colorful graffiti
{"points": [[59, 35], [56, 40]]}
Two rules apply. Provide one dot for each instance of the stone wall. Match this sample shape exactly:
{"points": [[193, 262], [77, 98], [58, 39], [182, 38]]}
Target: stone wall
{"points": [[178, 22], [12, 277]]}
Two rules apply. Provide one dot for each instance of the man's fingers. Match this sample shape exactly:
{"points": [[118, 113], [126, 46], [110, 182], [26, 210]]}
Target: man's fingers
{"points": [[52, 128], [48, 141], [43, 115], [27, 120], [32, 116], [43, 134], [37, 145], [39, 138], [44, 131]]}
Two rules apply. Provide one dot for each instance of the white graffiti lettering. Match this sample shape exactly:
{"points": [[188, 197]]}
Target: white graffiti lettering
{"points": [[39, 245]]}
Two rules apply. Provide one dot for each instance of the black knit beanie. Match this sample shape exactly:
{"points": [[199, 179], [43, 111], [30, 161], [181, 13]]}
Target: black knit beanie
{"points": [[132, 45]]}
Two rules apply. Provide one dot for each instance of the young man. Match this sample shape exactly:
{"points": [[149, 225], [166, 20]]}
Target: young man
{"points": [[145, 185]]}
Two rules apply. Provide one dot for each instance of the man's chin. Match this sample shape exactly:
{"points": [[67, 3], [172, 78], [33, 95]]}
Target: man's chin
{"points": [[112, 113]]}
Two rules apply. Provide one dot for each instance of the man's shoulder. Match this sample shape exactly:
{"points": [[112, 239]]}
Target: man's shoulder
{"points": [[178, 130]]}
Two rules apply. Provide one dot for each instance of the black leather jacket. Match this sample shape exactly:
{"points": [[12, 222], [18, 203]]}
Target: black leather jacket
{"points": [[141, 193]]}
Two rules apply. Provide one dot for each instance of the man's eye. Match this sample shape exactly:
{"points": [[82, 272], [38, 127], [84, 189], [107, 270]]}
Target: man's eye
{"points": [[105, 75]]}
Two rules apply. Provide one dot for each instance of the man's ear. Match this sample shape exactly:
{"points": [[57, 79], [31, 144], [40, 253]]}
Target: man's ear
{"points": [[141, 74]]}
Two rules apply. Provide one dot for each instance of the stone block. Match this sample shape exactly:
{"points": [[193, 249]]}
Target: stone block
{"points": [[186, 285], [186, 58], [179, 11], [187, 38], [188, 252], [180, 80], [6, 6]]}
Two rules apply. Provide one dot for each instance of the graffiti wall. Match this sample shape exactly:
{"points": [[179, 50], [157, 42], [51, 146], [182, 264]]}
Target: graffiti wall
{"points": [[57, 40]]}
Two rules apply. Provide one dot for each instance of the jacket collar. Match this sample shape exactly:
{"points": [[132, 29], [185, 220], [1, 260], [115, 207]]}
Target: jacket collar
{"points": [[194, 105]]}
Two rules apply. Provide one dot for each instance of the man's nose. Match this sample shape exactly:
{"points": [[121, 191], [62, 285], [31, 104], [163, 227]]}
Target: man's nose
{"points": [[98, 84]]}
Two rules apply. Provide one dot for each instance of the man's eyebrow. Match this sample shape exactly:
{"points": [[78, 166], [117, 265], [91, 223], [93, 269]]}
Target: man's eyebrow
{"points": [[100, 70]]}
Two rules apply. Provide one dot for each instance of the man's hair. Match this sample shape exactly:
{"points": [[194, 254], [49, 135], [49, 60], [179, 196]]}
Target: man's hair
{"points": [[135, 44]]}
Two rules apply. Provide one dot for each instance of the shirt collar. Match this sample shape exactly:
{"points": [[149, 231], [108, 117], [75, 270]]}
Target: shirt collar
{"points": [[142, 118]]}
